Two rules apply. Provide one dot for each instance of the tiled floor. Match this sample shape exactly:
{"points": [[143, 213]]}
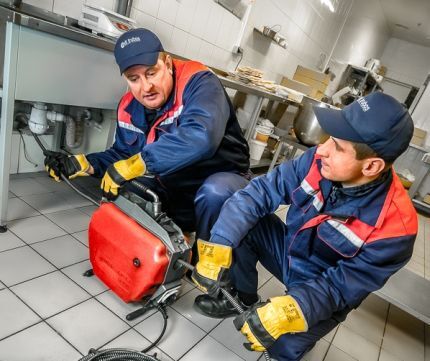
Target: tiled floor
{"points": [[50, 312]]}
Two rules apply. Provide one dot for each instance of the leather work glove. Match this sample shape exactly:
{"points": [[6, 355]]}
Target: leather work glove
{"points": [[211, 271], [72, 166], [265, 322], [120, 172]]}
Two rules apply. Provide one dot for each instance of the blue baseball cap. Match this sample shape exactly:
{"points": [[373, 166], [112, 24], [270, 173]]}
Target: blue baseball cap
{"points": [[137, 47], [377, 120]]}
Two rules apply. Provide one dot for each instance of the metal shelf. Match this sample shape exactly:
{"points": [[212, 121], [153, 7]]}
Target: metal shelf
{"points": [[263, 162], [284, 45], [420, 205]]}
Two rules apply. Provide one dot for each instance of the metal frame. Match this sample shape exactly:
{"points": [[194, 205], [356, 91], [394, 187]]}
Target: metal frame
{"points": [[8, 101]]}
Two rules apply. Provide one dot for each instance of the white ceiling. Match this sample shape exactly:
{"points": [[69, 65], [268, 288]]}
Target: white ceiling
{"points": [[408, 19]]}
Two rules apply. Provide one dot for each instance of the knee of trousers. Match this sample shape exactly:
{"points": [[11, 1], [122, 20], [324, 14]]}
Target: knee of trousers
{"points": [[218, 188]]}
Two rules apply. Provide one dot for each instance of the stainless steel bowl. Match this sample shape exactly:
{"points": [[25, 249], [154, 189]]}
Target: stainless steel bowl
{"points": [[306, 126]]}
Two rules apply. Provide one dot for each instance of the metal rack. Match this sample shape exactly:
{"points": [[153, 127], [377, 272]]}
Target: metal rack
{"points": [[261, 95]]}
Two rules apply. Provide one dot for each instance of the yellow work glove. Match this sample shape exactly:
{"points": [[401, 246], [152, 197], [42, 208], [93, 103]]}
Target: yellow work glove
{"points": [[265, 322], [120, 172], [71, 166], [211, 271]]}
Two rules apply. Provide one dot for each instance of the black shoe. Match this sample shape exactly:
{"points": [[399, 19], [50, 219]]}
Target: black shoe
{"points": [[219, 307]]}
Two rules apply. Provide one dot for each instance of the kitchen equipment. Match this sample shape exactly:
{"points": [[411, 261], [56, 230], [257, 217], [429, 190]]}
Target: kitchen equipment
{"points": [[134, 248], [306, 126], [105, 22]]}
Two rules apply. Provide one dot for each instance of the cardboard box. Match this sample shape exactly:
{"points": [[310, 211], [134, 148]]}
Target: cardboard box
{"points": [[420, 133], [312, 74], [426, 198], [315, 84], [417, 141], [316, 94], [296, 85]]}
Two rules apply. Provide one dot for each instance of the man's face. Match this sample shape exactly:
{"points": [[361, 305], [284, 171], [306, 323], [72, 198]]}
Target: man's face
{"points": [[151, 85], [339, 163]]}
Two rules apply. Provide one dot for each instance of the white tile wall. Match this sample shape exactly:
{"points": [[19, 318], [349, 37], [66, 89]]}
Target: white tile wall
{"points": [[205, 31], [398, 52]]}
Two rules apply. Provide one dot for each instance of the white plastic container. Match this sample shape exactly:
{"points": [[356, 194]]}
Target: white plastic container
{"points": [[262, 133], [256, 149]]}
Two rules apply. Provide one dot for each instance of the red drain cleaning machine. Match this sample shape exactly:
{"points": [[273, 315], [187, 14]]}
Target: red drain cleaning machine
{"points": [[135, 248]]}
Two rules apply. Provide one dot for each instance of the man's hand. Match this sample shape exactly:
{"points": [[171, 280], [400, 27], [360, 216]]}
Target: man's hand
{"points": [[265, 322], [57, 163], [211, 271], [120, 172]]}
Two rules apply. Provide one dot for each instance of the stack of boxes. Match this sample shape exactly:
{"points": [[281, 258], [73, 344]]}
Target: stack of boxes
{"points": [[315, 79], [419, 137], [307, 81]]}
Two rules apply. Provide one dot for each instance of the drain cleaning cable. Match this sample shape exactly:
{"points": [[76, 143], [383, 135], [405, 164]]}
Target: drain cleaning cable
{"points": [[227, 295], [122, 354]]}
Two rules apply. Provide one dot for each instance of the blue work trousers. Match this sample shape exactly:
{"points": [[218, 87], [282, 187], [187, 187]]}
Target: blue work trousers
{"points": [[266, 243], [194, 205]]}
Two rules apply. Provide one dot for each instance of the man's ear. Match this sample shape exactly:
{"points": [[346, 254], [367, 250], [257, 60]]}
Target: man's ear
{"points": [[373, 166], [168, 62]]}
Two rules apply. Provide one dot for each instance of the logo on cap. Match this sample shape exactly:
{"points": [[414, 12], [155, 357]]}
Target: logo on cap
{"points": [[133, 39], [363, 104]]}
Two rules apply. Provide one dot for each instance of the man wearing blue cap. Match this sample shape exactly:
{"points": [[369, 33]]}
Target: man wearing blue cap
{"points": [[177, 124], [350, 226]]}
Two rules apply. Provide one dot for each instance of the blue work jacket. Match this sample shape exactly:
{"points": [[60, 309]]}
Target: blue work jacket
{"points": [[341, 244], [195, 134]]}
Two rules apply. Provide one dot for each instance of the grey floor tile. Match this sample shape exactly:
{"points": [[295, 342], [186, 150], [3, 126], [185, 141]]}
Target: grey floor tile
{"points": [[28, 186], [122, 309], [17, 208], [74, 199], [404, 335], [135, 341], [50, 294], [11, 195], [369, 319], [71, 220], [263, 275], [318, 352], [91, 284], [185, 307], [427, 343], [22, 264], [48, 203], [37, 343], [82, 237], [62, 251], [51, 184], [271, 288], [14, 314], [35, 229], [88, 325], [212, 351], [226, 334], [88, 210], [8, 240], [335, 354], [176, 325], [355, 345], [386, 356], [330, 336], [187, 286]]}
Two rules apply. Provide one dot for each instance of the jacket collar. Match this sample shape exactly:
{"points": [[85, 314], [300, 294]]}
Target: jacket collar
{"points": [[364, 202]]}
